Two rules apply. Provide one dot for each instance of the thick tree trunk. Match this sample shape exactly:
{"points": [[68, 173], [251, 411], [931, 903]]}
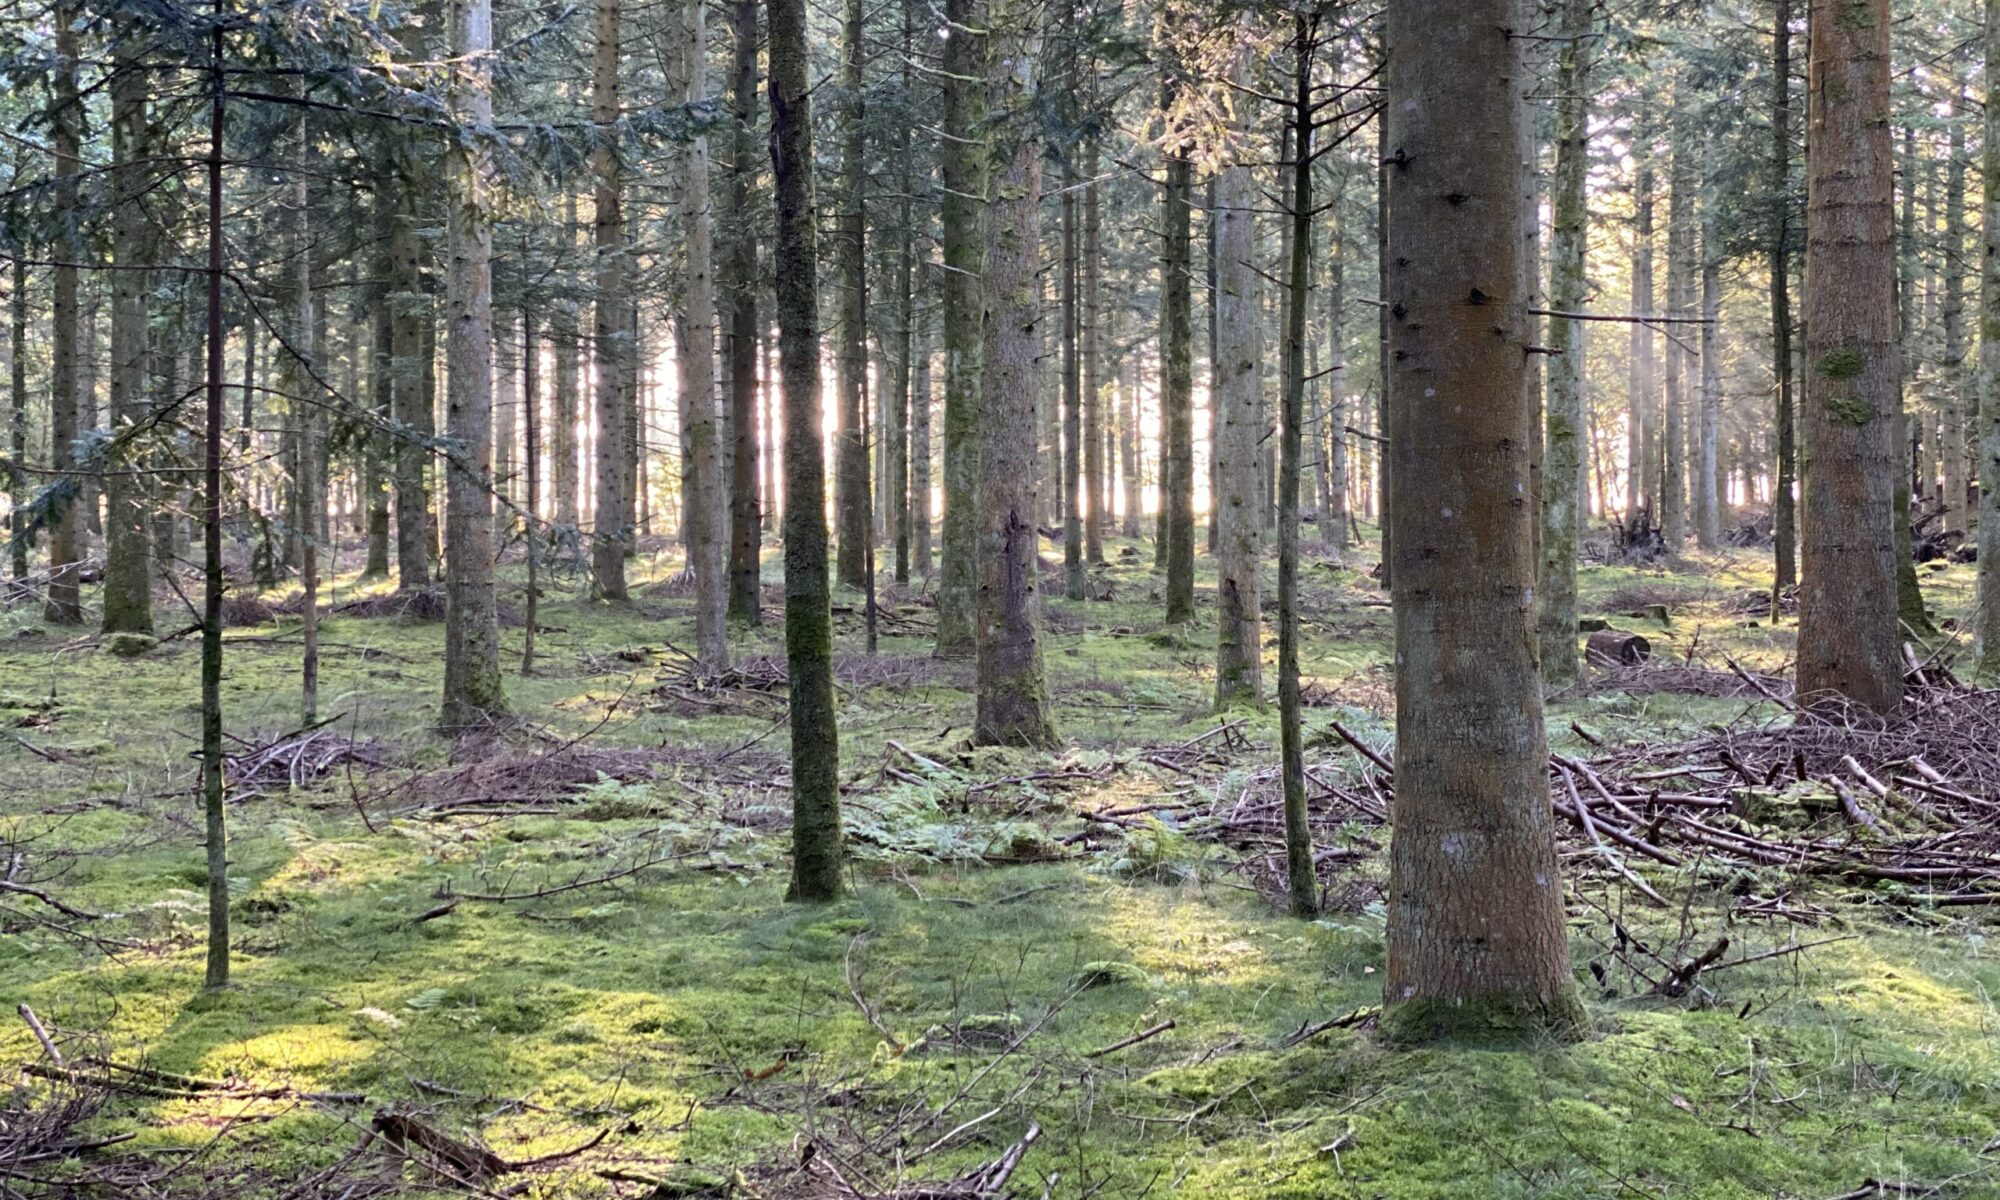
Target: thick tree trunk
{"points": [[128, 574], [817, 853], [1239, 645], [852, 509], [964, 170], [1177, 367], [1476, 937], [1988, 661], [707, 501], [64, 604], [1784, 512], [1012, 705], [1849, 642], [472, 689], [612, 534], [1563, 423]]}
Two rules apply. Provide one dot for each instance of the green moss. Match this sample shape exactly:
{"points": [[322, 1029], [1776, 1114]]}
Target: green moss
{"points": [[1850, 408], [1843, 362], [1496, 1017]]}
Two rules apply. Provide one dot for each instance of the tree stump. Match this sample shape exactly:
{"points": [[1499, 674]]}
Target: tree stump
{"points": [[1617, 648]]}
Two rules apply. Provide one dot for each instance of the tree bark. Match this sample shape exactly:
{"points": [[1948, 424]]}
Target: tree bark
{"points": [[1681, 245], [851, 499], [1848, 637], [1988, 653], [1097, 481], [17, 383], [1128, 443], [564, 336], [920, 444], [1476, 936], [708, 505], [817, 853], [1072, 400], [964, 170], [1563, 417], [745, 516], [1302, 877], [301, 381], [613, 532], [128, 574], [1012, 705], [1642, 483], [1784, 511], [411, 372], [1239, 644], [1177, 365], [64, 604], [1952, 392], [472, 688]]}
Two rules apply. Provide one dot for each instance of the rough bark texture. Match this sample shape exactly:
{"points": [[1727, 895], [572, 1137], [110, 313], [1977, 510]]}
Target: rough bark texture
{"points": [[1301, 876], [1239, 645], [1848, 638], [65, 599], [410, 374], [1988, 663], [1072, 401], [707, 500], [745, 517], [1952, 392], [301, 382], [1784, 504], [472, 688], [850, 494], [612, 533], [128, 576], [1681, 201], [1097, 481], [17, 386], [1563, 423], [1177, 373], [1476, 938], [817, 853], [920, 445], [1642, 483], [1012, 706], [964, 168], [1708, 483]]}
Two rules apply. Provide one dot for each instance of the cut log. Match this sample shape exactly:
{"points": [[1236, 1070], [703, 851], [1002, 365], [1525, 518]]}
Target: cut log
{"points": [[1617, 648]]}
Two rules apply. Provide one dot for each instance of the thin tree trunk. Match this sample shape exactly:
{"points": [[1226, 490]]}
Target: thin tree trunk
{"points": [[1476, 936], [920, 445], [65, 598], [17, 383], [746, 521], [215, 818], [564, 338], [1177, 366], [708, 512], [472, 688], [531, 388], [411, 374], [1012, 704], [1237, 412], [1563, 423], [1302, 879], [1680, 302], [964, 169], [1784, 513], [377, 446], [851, 499], [817, 853], [1128, 442], [1849, 642], [1642, 483], [612, 533], [1072, 400], [1988, 607], [301, 381], [1097, 481], [1952, 391], [1710, 486], [128, 574]]}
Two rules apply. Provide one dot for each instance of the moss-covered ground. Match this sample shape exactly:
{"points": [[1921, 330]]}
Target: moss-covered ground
{"points": [[717, 1036]]}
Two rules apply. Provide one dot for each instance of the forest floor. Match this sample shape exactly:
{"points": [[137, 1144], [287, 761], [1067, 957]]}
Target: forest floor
{"points": [[558, 962]]}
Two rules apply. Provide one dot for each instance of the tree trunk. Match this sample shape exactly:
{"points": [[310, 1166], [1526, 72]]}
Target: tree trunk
{"points": [[1072, 400], [1988, 658], [746, 520], [920, 443], [1476, 936], [472, 689], [128, 574], [964, 170], [411, 373], [1952, 392], [564, 335], [17, 383], [708, 511], [1563, 421], [1128, 443], [850, 493], [817, 853], [613, 532], [1784, 513], [1012, 706], [378, 446], [1710, 487], [1097, 481], [1681, 203], [1848, 638], [214, 812], [1642, 434], [1302, 878], [1239, 646], [1177, 365], [65, 598], [531, 411], [301, 382]]}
